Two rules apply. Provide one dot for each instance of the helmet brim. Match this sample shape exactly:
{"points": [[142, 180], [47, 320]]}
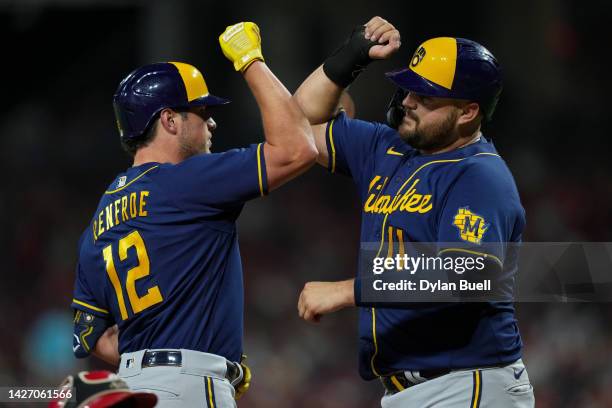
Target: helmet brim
{"points": [[209, 100], [409, 80]]}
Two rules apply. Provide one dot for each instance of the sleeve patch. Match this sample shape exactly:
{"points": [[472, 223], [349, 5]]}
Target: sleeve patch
{"points": [[87, 330], [472, 226]]}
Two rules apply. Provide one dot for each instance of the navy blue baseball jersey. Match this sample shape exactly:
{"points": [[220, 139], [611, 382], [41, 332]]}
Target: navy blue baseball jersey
{"points": [[161, 257], [466, 196]]}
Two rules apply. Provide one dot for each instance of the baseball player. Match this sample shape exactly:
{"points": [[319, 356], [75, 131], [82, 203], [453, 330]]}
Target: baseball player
{"points": [[428, 176], [160, 258]]}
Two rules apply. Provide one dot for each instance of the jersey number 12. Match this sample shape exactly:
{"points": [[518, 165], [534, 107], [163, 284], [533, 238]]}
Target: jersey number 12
{"points": [[137, 303]]}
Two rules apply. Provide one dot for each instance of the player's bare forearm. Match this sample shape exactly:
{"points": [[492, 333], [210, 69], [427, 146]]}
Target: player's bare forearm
{"points": [[318, 96], [107, 347], [321, 94], [283, 121], [320, 298], [290, 149]]}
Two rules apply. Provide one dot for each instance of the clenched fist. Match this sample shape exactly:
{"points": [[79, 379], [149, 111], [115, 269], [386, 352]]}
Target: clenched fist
{"points": [[386, 36], [241, 44], [319, 298]]}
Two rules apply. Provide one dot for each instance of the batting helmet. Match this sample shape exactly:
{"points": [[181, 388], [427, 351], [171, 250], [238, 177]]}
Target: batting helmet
{"points": [[451, 68], [99, 389], [149, 89]]}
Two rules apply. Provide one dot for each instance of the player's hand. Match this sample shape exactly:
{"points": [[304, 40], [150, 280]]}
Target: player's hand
{"points": [[385, 34], [245, 383], [319, 298], [241, 44]]}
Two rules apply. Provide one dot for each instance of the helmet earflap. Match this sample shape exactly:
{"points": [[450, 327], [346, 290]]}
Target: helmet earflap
{"points": [[395, 109]]}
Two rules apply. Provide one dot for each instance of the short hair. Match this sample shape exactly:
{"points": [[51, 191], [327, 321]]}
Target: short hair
{"points": [[132, 145]]}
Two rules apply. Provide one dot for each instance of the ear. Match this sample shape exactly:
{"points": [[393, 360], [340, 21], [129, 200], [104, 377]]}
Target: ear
{"points": [[170, 121], [468, 113]]}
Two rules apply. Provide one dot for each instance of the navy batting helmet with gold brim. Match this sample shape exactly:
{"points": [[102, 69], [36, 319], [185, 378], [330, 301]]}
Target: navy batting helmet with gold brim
{"points": [[153, 87], [453, 68]]}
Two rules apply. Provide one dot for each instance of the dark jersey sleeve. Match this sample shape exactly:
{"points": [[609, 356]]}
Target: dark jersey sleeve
{"points": [[87, 331], [87, 297], [83, 297], [91, 313], [218, 181], [353, 145]]}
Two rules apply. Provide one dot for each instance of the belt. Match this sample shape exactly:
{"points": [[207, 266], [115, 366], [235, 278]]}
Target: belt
{"points": [[174, 358], [400, 381]]}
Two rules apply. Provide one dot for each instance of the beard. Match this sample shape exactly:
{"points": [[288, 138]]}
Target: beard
{"points": [[189, 145], [432, 137]]}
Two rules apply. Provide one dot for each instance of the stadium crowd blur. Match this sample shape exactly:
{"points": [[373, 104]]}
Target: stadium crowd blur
{"points": [[60, 148]]}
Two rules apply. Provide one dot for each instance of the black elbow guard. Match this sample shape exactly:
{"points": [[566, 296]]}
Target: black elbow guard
{"points": [[87, 330], [350, 59]]}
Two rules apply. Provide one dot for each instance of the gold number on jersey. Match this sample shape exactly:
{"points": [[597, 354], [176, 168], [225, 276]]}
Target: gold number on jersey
{"points": [[137, 303], [398, 235]]}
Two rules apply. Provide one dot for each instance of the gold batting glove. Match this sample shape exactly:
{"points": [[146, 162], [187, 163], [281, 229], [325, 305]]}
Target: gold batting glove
{"points": [[241, 44], [245, 383]]}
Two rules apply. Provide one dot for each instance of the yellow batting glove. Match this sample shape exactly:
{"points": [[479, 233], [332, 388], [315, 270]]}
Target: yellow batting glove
{"points": [[241, 44], [244, 385]]}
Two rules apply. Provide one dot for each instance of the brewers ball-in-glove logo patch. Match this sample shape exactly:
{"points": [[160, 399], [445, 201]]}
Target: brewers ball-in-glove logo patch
{"points": [[471, 225], [418, 57]]}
